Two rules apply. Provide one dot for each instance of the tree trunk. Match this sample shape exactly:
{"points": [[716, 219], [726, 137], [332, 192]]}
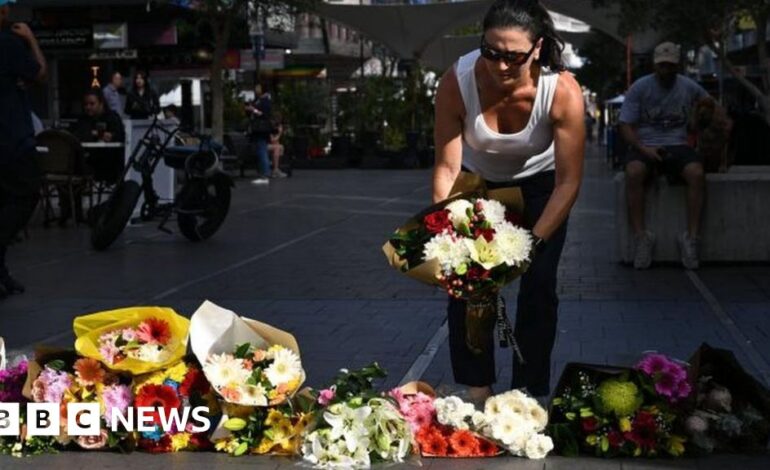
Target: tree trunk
{"points": [[221, 25]]}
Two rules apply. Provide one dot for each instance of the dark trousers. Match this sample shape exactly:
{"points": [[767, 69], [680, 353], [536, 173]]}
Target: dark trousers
{"points": [[19, 192], [536, 308]]}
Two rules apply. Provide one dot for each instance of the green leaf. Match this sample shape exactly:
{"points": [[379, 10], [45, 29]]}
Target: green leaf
{"points": [[465, 230], [58, 364], [242, 350], [570, 416]]}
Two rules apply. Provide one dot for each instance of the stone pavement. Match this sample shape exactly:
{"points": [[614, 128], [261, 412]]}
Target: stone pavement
{"points": [[304, 255]]}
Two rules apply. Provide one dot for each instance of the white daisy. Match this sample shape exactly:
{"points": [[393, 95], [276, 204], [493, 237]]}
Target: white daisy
{"points": [[538, 446], [254, 395], [224, 369], [286, 367]]}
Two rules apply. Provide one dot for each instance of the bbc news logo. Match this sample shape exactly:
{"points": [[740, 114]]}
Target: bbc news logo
{"points": [[85, 419]]}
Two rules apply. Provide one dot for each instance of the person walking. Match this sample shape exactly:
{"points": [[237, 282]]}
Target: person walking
{"points": [[21, 63], [260, 127], [510, 113]]}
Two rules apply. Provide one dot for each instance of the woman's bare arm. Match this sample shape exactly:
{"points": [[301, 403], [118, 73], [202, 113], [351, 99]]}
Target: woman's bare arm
{"points": [[447, 135]]}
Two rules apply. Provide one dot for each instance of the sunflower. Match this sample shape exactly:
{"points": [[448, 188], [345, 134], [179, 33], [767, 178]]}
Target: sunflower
{"points": [[464, 443], [88, 371], [154, 331]]}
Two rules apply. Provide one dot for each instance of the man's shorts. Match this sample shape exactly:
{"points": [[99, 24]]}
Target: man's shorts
{"points": [[672, 164]]}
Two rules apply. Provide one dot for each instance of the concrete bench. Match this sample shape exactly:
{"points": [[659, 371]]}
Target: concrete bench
{"points": [[736, 217]]}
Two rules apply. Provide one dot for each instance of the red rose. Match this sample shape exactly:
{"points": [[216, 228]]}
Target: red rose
{"points": [[589, 424], [194, 381], [437, 222]]}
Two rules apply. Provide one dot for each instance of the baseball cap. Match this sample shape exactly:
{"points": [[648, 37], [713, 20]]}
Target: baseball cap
{"points": [[667, 52]]}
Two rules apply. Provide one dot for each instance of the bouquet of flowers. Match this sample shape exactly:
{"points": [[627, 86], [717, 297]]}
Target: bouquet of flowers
{"points": [[12, 381], [62, 377], [251, 376], [730, 410], [611, 412], [416, 402], [472, 246], [181, 385], [353, 427], [137, 340], [247, 362]]}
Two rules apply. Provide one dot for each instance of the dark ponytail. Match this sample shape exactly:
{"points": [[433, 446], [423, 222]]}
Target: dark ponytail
{"points": [[532, 17]]}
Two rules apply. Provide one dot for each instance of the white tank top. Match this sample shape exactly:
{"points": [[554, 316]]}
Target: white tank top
{"points": [[506, 157]]}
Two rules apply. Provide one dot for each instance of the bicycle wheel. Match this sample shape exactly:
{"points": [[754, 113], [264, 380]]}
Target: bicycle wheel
{"points": [[202, 207], [112, 217]]}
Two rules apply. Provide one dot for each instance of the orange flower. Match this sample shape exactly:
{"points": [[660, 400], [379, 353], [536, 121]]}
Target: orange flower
{"points": [[464, 443], [259, 355], [431, 442], [487, 448], [88, 371], [231, 395]]}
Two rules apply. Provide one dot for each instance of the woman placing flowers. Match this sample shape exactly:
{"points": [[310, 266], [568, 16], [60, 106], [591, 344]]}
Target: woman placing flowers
{"points": [[509, 113]]}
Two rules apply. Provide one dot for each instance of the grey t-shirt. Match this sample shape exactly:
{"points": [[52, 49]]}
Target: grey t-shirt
{"points": [[659, 114]]}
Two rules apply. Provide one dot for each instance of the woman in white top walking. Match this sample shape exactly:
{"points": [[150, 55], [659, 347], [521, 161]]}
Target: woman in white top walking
{"points": [[510, 113]]}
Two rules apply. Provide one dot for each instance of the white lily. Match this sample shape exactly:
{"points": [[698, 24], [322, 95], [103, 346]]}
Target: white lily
{"points": [[484, 253]]}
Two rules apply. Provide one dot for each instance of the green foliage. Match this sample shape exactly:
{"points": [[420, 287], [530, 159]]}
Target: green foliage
{"points": [[303, 103], [604, 67]]}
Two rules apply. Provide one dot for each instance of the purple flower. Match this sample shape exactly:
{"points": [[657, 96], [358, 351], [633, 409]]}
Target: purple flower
{"points": [[12, 382], [117, 397], [56, 383], [652, 364]]}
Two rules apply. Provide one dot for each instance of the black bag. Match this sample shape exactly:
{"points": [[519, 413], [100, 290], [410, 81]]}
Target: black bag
{"points": [[260, 125]]}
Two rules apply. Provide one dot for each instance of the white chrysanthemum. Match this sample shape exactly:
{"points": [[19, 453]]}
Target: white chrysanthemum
{"points": [[449, 251], [286, 367], [458, 212], [452, 411], [224, 369], [494, 211], [253, 395], [513, 243], [478, 419], [485, 253], [538, 446]]}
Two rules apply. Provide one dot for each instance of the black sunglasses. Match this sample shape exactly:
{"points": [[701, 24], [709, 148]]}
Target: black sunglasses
{"points": [[510, 57]]}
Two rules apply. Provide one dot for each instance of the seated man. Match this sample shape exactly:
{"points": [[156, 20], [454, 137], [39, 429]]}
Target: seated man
{"points": [[653, 121], [98, 124]]}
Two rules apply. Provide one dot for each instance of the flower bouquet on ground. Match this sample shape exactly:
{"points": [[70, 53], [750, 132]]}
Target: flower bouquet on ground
{"points": [[136, 340], [247, 362], [416, 402], [615, 412], [471, 245], [730, 409], [176, 392], [64, 378], [256, 369], [353, 427], [12, 379]]}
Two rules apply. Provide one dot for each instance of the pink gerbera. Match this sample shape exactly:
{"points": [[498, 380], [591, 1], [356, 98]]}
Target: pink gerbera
{"points": [[154, 331]]}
